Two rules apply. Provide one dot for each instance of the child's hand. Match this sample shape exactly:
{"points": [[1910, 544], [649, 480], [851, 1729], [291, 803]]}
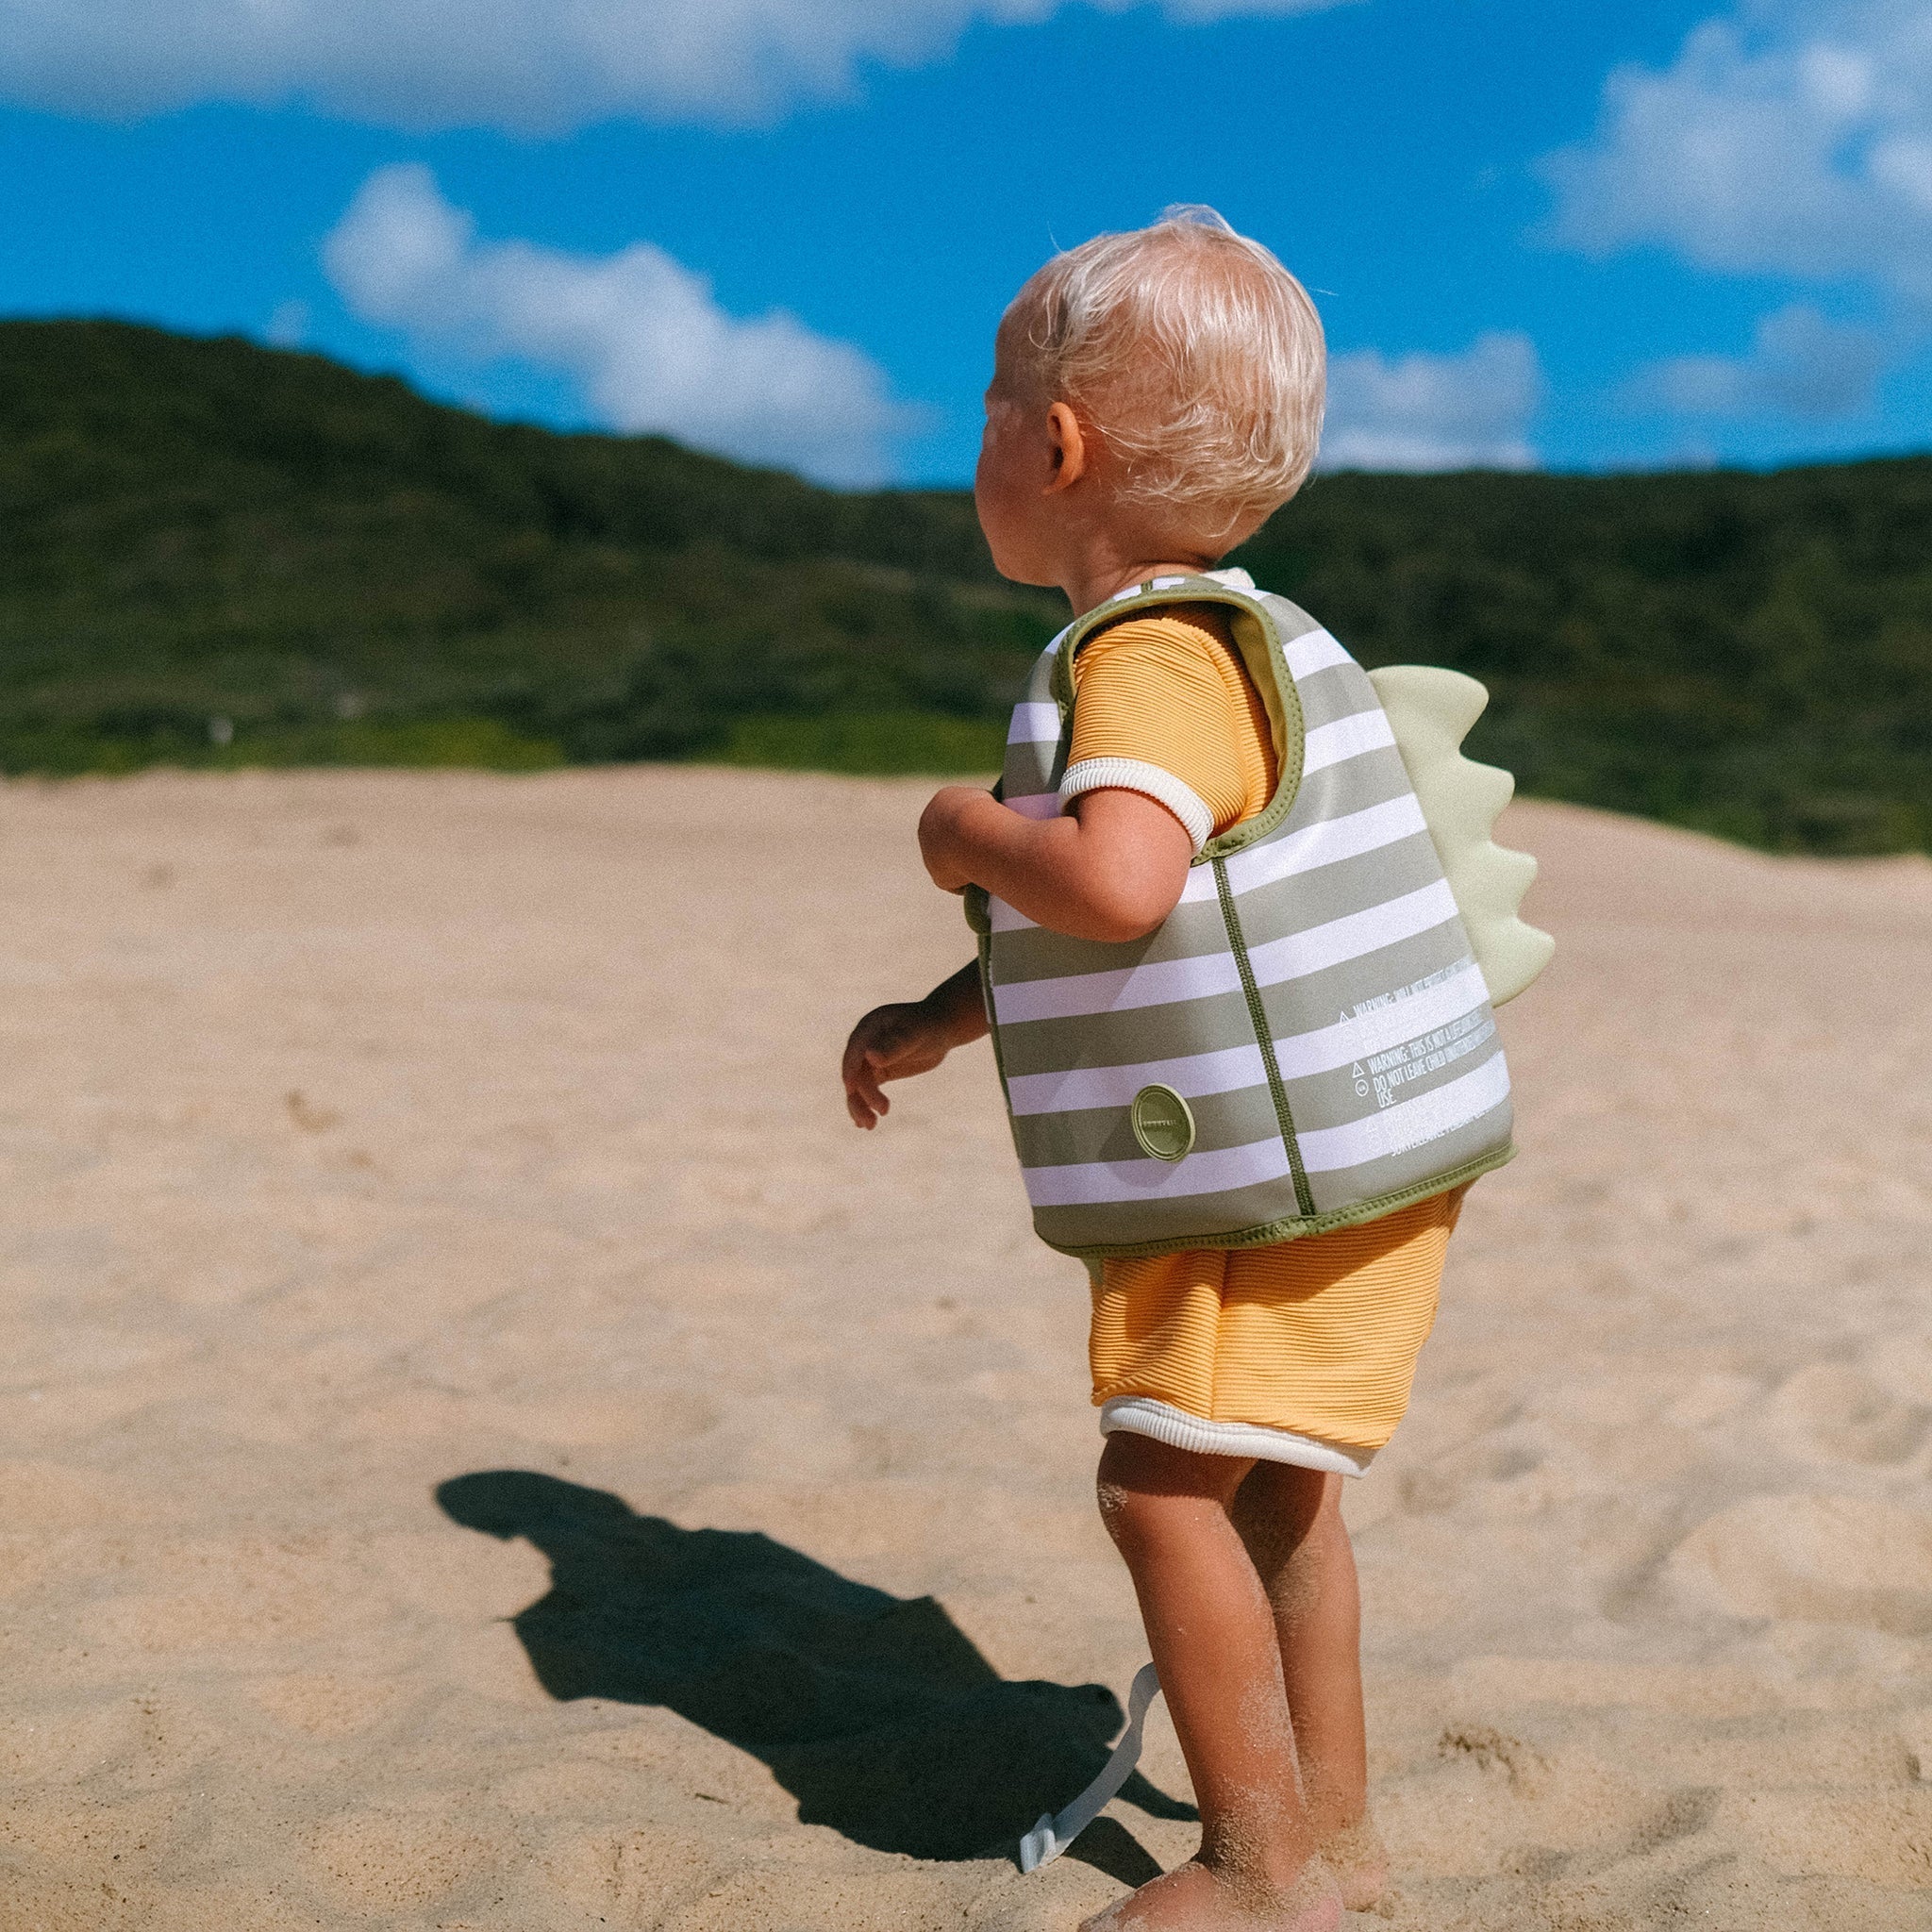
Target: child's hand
{"points": [[895, 1042], [889, 1044]]}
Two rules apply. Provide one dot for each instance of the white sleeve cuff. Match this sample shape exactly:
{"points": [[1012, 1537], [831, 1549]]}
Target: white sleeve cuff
{"points": [[1133, 774]]}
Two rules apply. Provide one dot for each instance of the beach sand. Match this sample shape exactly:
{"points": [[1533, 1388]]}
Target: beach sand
{"points": [[486, 1444]]}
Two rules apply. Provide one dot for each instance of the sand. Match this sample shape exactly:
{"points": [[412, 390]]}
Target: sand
{"points": [[485, 1443]]}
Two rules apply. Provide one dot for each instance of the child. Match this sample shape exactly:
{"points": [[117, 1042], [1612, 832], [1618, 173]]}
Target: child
{"points": [[1155, 396]]}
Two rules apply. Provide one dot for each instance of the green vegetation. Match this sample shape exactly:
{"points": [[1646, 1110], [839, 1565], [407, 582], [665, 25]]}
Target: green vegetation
{"points": [[1749, 655], [213, 554]]}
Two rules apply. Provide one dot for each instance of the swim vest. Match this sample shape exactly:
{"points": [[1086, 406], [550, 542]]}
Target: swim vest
{"points": [[1307, 1040]]}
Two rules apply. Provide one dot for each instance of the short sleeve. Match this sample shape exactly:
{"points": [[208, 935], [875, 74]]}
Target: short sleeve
{"points": [[1162, 707]]}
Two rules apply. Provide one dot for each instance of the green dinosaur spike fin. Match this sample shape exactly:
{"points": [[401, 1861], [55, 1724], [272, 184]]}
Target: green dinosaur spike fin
{"points": [[1430, 711]]}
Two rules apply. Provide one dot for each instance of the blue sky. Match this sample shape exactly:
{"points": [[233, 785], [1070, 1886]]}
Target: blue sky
{"points": [[1580, 236]]}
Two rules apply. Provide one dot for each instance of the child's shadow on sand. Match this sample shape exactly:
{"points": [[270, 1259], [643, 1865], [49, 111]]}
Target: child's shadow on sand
{"points": [[875, 1711]]}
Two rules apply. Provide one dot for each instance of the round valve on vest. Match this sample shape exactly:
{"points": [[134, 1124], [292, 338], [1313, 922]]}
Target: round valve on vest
{"points": [[1163, 1124]]}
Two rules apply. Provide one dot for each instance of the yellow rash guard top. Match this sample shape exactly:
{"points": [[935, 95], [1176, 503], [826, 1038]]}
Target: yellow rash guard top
{"points": [[1301, 1351]]}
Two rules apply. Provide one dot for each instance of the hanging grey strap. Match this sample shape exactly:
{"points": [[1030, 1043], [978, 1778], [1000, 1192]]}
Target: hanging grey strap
{"points": [[1053, 1835]]}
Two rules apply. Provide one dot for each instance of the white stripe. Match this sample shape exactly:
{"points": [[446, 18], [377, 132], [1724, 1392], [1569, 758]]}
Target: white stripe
{"points": [[1410, 1123], [1312, 847], [1126, 986], [1085, 1182], [1279, 858], [1035, 725], [1036, 804], [1192, 1075], [1209, 973], [1228, 1069], [1151, 781], [1313, 650], [1381, 1028], [1352, 935], [1141, 1415], [1346, 737]]}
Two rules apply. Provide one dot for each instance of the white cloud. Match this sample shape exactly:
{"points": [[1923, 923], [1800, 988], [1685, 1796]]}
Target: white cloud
{"points": [[1800, 364], [641, 334], [1434, 412], [514, 63], [1791, 137]]}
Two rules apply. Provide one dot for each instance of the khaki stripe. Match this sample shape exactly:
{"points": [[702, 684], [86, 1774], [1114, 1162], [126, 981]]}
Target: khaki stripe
{"points": [[1374, 810], [1191, 1075], [1326, 1109], [1114, 1040], [1338, 692], [1339, 790], [1105, 1133], [1140, 1182], [1126, 1223], [1455, 1002], [1295, 955], [1410, 1124], [1346, 737], [1312, 900], [1203, 975], [1297, 850], [1038, 955], [1311, 653], [1347, 988]]}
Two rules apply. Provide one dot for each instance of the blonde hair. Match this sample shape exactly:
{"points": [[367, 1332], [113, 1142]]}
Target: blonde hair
{"points": [[1194, 353]]}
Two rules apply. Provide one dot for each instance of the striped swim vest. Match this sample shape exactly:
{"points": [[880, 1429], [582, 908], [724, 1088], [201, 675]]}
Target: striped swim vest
{"points": [[1306, 1040]]}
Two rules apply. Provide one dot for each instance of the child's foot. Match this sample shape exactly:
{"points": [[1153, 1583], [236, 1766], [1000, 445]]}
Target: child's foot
{"points": [[1195, 1898], [1359, 1862]]}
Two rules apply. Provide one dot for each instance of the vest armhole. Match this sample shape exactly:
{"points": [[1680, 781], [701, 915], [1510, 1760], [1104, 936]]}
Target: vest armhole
{"points": [[1258, 638]]}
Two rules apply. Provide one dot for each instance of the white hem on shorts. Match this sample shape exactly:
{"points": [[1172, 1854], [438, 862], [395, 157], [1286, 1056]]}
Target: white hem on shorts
{"points": [[1140, 1415]]}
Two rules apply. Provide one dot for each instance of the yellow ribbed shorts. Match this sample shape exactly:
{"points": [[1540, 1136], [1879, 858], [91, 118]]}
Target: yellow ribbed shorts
{"points": [[1316, 1336]]}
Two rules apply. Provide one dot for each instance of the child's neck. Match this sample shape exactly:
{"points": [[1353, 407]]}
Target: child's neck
{"points": [[1091, 582]]}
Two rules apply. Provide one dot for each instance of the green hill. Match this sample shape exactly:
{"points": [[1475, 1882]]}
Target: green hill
{"points": [[216, 554]]}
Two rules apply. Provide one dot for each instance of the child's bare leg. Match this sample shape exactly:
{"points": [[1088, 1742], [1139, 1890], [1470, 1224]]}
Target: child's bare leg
{"points": [[1291, 1521], [1214, 1636]]}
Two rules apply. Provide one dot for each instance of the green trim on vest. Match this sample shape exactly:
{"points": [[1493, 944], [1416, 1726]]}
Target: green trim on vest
{"points": [[1270, 1064], [1260, 654], [1297, 1227]]}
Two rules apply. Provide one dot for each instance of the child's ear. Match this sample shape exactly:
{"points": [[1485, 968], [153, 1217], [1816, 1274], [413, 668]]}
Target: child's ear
{"points": [[1069, 446]]}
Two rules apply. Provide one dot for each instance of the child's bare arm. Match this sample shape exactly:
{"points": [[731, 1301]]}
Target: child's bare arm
{"points": [[893, 1043], [1111, 868]]}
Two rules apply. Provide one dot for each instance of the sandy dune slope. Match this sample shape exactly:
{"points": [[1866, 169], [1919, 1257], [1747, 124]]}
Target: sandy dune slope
{"points": [[483, 1443]]}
